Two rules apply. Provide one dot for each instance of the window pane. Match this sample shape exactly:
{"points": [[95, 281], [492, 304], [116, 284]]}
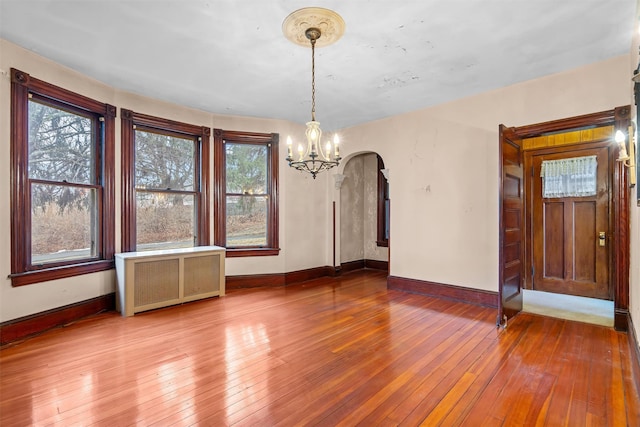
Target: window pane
{"points": [[63, 223], [246, 168], [164, 220], [61, 146], [164, 161], [246, 221]]}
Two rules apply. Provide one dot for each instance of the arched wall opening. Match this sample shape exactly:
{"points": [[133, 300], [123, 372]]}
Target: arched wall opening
{"points": [[359, 240]]}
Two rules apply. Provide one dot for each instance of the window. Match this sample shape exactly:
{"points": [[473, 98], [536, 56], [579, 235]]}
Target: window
{"points": [[246, 209], [165, 183], [62, 194], [383, 207], [574, 177]]}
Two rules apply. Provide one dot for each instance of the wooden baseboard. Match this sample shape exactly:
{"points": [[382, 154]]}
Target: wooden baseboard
{"points": [[449, 292], [346, 267], [634, 351], [283, 279], [17, 329], [621, 320], [253, 281], [277, 279], [308, 274], [376, 265]]}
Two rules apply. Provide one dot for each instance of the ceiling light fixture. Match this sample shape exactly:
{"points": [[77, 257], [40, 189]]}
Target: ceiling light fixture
{"points": [[319, 27]]}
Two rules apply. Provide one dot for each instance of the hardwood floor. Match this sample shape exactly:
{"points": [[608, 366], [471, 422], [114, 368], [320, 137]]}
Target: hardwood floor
{"points": [[333, 351]]}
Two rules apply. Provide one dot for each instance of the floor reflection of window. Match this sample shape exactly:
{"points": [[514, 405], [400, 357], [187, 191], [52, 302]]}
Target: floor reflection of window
{"points": [[246, 347]]}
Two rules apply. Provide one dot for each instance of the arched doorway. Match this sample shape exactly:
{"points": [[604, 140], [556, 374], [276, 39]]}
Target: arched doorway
{"points": [[363, 214]]}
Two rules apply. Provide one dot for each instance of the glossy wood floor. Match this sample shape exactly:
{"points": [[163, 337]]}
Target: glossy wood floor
{"points": [[337, 351]]}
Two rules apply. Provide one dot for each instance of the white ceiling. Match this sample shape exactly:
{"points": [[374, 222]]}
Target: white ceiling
{"points": [[230, 56]]}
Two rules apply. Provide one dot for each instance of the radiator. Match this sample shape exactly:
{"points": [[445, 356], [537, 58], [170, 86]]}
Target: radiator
{"points": [[154, 279]]}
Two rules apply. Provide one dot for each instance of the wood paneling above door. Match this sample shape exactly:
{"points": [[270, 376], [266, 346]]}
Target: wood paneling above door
{"points": [[581, 136]]}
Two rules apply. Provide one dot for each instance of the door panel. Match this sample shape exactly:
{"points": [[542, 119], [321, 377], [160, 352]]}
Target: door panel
{"points": [[511, 249], [567, 255], [585, 241], [554, 240]]}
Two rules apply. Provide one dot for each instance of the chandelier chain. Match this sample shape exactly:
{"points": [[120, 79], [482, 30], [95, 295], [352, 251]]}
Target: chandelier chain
{"points": [[313, 80]]}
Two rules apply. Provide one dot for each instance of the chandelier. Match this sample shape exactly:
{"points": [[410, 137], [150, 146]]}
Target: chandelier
{"points": [[305, 26]]}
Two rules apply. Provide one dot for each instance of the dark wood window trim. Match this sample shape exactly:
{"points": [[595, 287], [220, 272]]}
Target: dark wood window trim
{"points": [[130, 120], [383, 197], [271, 140], [22, 272]]}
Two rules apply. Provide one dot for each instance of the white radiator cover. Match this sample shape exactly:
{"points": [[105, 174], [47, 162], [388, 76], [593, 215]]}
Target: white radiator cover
{"points": [[154, 279]]}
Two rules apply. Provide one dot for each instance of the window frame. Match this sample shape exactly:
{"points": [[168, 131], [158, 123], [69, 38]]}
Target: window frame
{"points": [[270, 140], [23, 272], [130, 120]]}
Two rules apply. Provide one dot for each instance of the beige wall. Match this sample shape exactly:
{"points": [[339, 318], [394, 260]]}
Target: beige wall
{"points": [[308, 220], [443, 164]]}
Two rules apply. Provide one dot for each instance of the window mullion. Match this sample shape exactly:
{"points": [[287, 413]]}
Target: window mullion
{"points": [[64, 183]]}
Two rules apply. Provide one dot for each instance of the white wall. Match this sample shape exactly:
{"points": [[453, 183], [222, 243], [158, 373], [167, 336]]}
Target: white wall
{"points": [[443, 164], [303, 225]]}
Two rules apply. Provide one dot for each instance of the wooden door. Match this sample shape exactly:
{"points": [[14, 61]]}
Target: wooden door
{"points": [[569, 255], [511, 248]]}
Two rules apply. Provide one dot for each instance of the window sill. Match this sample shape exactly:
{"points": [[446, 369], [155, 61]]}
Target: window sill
{"points": [[383, 243], [47, 274], [244, 252]]}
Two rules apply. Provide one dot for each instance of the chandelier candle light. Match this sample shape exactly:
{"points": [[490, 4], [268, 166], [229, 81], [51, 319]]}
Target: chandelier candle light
{"points": [[320, 27]]}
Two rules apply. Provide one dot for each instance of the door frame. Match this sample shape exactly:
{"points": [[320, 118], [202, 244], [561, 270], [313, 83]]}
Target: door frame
{"points": [[620, 118]]}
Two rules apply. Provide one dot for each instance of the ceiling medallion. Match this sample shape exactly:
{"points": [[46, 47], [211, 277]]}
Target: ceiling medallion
{"points": [[330, 24]]}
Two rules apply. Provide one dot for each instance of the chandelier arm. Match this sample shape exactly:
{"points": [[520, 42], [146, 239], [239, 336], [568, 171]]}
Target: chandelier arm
{"points": [[311, 166]]}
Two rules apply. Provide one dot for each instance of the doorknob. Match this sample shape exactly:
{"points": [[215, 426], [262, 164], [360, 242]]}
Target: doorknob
{"points": [[602, 237]]}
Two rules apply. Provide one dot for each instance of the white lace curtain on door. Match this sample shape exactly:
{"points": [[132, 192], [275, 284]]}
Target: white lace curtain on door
{"points": [[574, 177]]}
